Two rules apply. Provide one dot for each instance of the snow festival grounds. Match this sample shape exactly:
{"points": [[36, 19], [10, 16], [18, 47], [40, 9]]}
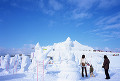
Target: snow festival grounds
{"points": [[60, 62], [52, 71]]}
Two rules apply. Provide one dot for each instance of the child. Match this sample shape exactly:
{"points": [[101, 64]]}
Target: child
{"points": [[91, 71]]}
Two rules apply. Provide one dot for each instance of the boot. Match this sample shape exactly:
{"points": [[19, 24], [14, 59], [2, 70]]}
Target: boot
{"points": [[90, 75], [82, 75]]}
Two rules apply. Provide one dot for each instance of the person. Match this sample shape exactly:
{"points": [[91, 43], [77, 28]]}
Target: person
{"points": [[91, 71], [106, 66], [83, 64]]}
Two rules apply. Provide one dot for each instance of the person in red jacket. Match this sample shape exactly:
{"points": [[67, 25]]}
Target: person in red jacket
{"points": [[106, 66]]}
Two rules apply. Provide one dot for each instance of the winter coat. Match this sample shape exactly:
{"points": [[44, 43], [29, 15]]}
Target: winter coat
{"points": [[83, 61], [91, 69], [106, 63]]}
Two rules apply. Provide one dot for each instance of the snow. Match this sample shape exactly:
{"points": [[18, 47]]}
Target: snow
{"points": [[69, 70], [25, 63], [65, 65]]}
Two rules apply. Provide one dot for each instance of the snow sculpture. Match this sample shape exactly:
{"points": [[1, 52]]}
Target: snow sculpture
{"points": [[69, 70], [2, 62], [39, 60], [5, 62], [57, 59], [32, 55], [15, 61], [55, 64], [12, 62], [25, 63], [69, 43]]}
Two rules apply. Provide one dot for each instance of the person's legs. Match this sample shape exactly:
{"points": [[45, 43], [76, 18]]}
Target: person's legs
{"points": [[107, 74], [91, 74], [82, 71], [86, 72]]}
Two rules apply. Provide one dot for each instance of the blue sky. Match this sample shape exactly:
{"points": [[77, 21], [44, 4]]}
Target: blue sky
{"points": [[95, 23]]}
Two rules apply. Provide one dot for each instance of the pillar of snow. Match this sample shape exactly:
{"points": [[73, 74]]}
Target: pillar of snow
{"points": [[32, 55], [39, 63], [69, 70], [2, 62], [12, 62], [69, 43], [39, 57], [56, 63], [77, 61], [57, 59], [67, 47], [6, 62], [25, 63], [16, 61]]}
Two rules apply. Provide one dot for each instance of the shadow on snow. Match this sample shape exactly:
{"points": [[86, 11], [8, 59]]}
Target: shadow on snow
{"points": [[10, 77]]}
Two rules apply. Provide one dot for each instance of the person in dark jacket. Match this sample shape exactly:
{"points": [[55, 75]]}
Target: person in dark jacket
{"points": [[106, 66]]}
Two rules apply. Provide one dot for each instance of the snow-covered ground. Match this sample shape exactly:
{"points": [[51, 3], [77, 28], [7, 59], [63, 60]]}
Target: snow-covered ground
{"points": [[64, 65], [52, 73]]}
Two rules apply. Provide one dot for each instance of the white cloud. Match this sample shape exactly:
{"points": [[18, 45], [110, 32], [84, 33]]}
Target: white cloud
{"points": [[83, 4], [105, 34], [80, 8], [109, 20], [55, 4], [113, 19], [108, 3], [110, 25], [102, 21], [106, 39], [80, 15], [108, 35], [114, 26], [116, 34]]}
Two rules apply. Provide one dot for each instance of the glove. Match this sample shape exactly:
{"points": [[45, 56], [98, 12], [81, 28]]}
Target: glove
{"points": [[102, 66]]}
